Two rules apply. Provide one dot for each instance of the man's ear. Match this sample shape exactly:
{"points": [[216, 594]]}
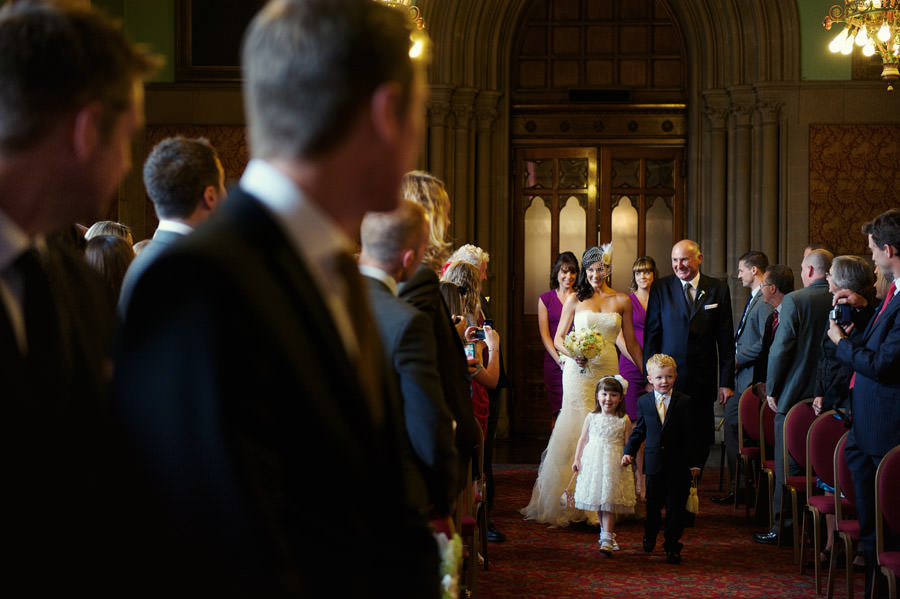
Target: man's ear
{"points": [[385, 112], [407, 257], [210, 197], [86, 130]]}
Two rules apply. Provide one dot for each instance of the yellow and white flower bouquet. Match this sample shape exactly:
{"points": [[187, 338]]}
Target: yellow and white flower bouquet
{"points": [[584, 343]]}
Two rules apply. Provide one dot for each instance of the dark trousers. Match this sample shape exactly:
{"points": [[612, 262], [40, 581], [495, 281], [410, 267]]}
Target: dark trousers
{"points": [[668, 488], [862, 468]]}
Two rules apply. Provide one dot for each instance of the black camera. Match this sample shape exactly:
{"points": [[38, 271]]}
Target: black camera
{"points": [[840, 314]]}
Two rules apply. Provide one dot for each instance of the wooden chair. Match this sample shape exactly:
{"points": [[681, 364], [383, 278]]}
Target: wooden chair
{"points": [[887, 513], [796, 428], [766, 457], [749, 427], [823, 437], [846, 527]]}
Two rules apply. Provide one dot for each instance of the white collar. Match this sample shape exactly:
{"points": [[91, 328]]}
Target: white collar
{"points": [[693, 282], [174, 226], [380, 275]]}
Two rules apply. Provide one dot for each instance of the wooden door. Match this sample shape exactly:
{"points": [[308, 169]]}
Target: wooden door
{"points": [[568, 199]]}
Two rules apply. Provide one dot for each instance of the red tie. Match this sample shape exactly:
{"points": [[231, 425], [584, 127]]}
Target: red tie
{"points": [[774, 322], [887, 299]]}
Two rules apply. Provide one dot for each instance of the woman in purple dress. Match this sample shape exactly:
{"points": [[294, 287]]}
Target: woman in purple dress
{"points": [[562, 280], [643, 274]]}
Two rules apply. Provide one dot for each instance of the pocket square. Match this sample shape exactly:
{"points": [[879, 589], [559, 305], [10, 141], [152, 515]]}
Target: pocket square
{"points": [[710, 306]]}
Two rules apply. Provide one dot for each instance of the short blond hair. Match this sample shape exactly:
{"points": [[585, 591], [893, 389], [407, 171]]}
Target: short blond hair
{"points": [[661, 361]]}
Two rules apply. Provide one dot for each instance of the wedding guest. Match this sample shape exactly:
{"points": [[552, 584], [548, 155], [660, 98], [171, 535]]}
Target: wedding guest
{"points": [[185, 181], [562, 281], [70, 103], [110, 255], [392, 247], [422, 290], [109, 227], [250, 376], [874, 387]]}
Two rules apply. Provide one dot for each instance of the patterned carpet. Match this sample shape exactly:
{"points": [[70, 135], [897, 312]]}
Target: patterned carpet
{"points": [[719, 558]]}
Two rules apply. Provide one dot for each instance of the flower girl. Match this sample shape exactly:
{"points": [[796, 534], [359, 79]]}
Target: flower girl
{"points": [[603, 484]]}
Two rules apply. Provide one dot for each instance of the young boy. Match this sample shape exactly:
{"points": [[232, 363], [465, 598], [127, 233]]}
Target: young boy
{"points": [[672, 454]]}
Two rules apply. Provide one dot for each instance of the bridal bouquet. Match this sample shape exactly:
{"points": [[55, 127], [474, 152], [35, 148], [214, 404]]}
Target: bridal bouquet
{"points": [[451, 552], [584, 343]]}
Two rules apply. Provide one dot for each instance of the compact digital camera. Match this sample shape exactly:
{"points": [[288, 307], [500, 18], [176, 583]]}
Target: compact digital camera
{"points": [[840, 314]]}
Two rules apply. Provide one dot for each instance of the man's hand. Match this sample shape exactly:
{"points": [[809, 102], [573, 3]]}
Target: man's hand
{"points": [[836, 332], [626, 460], [725, 394], [773, 403], [845, 296]]}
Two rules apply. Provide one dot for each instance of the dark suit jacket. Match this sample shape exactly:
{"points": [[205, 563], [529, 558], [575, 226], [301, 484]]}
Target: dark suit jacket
{"points": [[671, 446], [832, 375], [56, 502], [875, 399], [702, 341], [256, 452], [748, 342], [795, 348], [422, 290], [762, 360], [162, 240], [408, 342]]}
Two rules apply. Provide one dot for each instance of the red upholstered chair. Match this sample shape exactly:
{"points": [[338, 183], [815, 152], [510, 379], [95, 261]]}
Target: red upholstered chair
{"points": [[748, 430], [846, 526], [766, 456], [887, 514], [823, 437], [796, 428]]}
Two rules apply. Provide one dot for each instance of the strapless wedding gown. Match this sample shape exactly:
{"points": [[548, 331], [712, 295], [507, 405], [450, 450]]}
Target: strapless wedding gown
{"points": [[555, 471]]}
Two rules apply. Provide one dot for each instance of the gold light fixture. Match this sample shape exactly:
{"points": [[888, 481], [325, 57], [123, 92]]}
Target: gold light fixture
{"points": [[874, 25], [409, 5]]}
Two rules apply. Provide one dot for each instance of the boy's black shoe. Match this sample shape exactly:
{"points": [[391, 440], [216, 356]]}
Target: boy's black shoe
{"points": [[648, 545], [494, 535], [673, 557]]}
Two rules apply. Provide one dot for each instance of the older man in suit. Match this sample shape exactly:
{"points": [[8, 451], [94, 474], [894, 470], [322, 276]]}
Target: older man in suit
{"points": [[747, 347], [66, 126], [186, 182], [875, 384], [262, 426], [689, 318], [392, 247], [791, 371]]}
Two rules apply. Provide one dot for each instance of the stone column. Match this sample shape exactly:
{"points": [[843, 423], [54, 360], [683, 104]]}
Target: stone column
{"points": [[460, 188], [486, 113], [767, 221], [712, 211], [438, 117], [740, 166]]}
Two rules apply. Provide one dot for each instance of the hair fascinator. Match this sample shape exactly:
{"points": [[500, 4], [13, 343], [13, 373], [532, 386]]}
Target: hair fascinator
{"points": [[619, 378], [595, 254]]}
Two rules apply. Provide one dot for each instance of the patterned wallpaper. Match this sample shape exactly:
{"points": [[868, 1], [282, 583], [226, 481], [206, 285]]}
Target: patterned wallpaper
{"points": [[854, 175], [229, 140]]}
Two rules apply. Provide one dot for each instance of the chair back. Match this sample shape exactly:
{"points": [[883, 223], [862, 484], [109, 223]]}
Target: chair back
{"points": [[887, 490], [843, 480], [766, 430], [796, 428], [748, 416], [824, 434]]}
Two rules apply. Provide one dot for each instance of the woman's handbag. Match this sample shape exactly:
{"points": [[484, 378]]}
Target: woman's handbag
{"points": [[693, 501]]}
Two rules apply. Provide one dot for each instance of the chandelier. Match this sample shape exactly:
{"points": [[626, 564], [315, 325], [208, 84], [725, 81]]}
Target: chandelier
{"points": [[874, 25], [409, 5]]}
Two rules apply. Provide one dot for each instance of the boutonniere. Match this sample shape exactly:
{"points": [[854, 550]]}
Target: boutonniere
{"points": [[700, 295]]}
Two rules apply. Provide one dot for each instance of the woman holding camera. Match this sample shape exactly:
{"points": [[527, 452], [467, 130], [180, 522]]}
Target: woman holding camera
{"points": [[832, 390]]}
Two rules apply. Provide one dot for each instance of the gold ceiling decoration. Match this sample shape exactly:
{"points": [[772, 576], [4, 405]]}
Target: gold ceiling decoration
{"points": [[873, 25], [409, 5]]}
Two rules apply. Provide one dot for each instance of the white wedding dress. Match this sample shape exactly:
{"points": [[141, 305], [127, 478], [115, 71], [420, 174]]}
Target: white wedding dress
{"points": [[547, 504]]}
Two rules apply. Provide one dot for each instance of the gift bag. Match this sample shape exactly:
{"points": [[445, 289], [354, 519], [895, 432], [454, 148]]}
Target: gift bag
{"points": [[693, 501], [567, 499]]}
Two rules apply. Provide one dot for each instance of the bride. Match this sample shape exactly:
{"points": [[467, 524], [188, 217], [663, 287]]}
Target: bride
{"points": [[595, 304]]}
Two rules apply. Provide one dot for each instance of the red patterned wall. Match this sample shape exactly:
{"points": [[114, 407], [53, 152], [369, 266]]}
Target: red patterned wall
{"points": [[854, 175]]}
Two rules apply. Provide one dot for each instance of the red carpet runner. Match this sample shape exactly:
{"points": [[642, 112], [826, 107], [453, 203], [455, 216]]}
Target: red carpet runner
{"points": [[719, 558]]}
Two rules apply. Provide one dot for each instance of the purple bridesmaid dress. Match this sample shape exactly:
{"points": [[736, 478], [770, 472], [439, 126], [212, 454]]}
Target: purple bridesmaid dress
{"points": [[632, 374], [552, 371]]}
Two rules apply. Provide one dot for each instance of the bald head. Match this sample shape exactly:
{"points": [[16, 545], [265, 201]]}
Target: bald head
{"points": [[686, 259], [815, 266]]}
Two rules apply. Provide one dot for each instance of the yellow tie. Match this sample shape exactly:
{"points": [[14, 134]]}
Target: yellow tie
{"points": [[661, 408]]}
